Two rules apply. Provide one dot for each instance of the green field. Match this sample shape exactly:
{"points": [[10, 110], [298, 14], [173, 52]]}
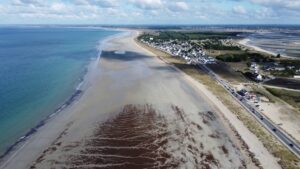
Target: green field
{"points": [[244, 56], [169, 35]]}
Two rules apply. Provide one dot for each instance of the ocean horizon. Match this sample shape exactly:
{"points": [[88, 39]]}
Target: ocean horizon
{"points": [[40, 70]]}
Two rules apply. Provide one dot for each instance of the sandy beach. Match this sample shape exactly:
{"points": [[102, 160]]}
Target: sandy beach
{"points": [[245, 42], [139, 112]]}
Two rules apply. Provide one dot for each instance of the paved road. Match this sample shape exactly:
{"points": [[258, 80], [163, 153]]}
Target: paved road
{"points": [[267, 123]]}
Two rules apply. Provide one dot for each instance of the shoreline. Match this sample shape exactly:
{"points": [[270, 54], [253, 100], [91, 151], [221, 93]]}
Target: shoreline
{"points": [[155, 83], [79, 90], [146, 81], [245, 42]]}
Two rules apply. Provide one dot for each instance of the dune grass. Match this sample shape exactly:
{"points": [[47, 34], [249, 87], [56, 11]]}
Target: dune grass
{"points": [[289, 96]]}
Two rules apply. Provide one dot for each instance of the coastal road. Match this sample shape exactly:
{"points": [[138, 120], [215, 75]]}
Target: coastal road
{"points": [[290, 143]]}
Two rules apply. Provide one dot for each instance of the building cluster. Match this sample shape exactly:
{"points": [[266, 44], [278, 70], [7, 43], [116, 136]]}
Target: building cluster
{"points": [[229, 42], [250, 96], [188, 50], [255, 72], [221, 42], [273, 67]]}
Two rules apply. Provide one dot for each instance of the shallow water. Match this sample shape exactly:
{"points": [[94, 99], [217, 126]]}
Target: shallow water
{"points": [[284, 43], [39, 70]]}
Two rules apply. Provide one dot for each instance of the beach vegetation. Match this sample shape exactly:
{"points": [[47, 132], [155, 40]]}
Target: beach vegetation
{"points": [[214, 44], [180, 35], [291, 97], [244, 56]]}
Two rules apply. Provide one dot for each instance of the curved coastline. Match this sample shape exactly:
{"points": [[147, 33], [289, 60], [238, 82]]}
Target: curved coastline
{"points": [[245, 42], [80, 120], [78, 92]]}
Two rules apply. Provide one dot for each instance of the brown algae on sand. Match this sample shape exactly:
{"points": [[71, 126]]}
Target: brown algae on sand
{"points": [[141, 137]]}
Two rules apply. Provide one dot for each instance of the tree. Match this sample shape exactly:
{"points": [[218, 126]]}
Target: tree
{"points": [[278, 55]]}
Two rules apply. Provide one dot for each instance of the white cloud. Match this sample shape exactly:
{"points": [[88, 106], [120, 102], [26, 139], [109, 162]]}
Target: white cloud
{"points": [[147, 4], [277, 8], [28, 2], [2, 9], [55, 10], [59, 7], [239, 10], [265, 13], [178, 6], [116, 13], [99, 3], [156, 11], [201, 15], [289, 4]]}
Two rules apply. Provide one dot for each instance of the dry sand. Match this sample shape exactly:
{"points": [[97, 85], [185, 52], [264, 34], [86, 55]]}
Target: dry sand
{"points": [[138, 112], [284, 115]]}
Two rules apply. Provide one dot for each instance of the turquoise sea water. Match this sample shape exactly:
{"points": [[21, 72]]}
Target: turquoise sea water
{"points": [[39, 70]]}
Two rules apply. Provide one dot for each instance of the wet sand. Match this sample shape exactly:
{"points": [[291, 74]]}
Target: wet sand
{"points": [[141, 137], [137, 112], [245, 42]]}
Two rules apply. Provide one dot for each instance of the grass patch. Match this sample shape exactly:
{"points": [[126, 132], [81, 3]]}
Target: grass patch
{"points": [[244, 56], [226, 72], [286, 158], [289, 96], [216, 53], [180, 35], [214, 44]]}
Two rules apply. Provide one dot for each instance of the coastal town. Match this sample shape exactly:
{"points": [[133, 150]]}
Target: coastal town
{"points": [[193, 54]]}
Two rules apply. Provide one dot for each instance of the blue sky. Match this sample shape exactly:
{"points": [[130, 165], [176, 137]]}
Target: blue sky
{"points": [[149, 11]]}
